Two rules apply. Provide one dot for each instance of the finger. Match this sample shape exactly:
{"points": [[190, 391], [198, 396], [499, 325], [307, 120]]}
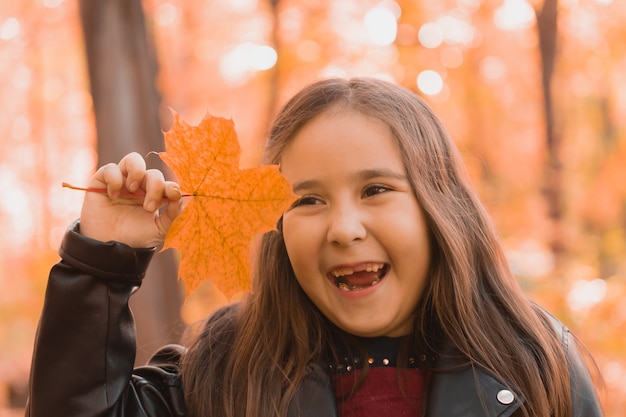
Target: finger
{"points": [[133, 167], [172, 191], [174, 203], [108, 176], [154, 185], [166, 217]]}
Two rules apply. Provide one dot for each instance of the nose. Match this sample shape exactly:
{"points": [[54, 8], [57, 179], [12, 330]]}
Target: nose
{"points": [[345, 226]]}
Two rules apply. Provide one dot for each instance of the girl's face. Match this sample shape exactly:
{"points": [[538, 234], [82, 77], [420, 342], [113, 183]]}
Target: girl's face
{"points": [[356, 238]]}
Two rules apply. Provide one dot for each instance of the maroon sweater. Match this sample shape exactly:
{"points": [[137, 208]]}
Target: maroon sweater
{"points": [[386, 389]]}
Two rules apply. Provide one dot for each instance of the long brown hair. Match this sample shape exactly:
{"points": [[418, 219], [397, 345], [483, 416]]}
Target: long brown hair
{"points": [[471, 298]]}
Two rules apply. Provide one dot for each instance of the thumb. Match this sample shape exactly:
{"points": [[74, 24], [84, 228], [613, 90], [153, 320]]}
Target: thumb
{"points": [[170, 212], [173, 207]]}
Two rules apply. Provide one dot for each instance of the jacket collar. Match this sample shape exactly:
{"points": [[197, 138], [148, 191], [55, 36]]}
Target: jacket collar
{"points": [[466, 391], [456, 390]]}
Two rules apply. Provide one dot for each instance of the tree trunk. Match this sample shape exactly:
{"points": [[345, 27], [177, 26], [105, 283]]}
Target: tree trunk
{"points": [[122, 71], [553, 191], [274, 84]]}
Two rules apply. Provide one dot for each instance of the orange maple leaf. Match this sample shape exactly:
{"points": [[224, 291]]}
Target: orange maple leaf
{"points": [[229, 206]]}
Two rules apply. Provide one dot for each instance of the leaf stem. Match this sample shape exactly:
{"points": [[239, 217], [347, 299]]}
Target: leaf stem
{"points": [[102, 190]]}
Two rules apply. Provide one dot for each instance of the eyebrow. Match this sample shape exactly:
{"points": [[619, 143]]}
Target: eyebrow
{"points": [[378, 173], [364, 175]]}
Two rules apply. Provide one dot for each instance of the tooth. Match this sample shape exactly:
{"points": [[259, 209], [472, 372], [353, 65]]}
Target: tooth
{"points": [[342, 272], [376, 281], [343, 286]]}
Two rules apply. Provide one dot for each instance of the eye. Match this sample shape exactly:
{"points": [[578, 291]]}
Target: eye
{"points": [[374, 189], [306, 201]]}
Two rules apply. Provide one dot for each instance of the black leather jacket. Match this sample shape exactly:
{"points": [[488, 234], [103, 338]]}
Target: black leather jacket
{"points": [[85, 349]]}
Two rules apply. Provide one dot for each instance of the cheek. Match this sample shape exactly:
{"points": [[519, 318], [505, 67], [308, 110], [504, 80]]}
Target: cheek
{"points": [[298, 244], [301, 263], [406, 237]]}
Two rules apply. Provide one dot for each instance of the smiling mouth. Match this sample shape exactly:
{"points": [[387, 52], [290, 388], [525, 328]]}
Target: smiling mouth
{"points": [[354, 279]]}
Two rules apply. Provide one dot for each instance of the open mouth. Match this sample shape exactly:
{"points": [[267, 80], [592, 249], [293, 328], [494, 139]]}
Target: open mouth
{"points": [[358, 278]]}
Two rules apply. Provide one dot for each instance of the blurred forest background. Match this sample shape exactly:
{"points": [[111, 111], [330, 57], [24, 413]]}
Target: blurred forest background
{"points": [[533, 92]]}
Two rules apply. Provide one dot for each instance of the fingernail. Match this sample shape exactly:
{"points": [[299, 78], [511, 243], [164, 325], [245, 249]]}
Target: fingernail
{"points": [[151, 206], [133, 186]]}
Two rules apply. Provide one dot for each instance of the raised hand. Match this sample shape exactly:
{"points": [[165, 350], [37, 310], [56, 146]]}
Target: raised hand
{"points": [[136, 206]]}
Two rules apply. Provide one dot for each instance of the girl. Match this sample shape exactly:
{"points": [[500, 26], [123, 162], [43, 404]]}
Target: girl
{"points": [[384, 291]]}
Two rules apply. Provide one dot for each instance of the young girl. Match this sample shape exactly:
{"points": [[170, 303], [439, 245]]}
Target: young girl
{"points": [[383, 292]]}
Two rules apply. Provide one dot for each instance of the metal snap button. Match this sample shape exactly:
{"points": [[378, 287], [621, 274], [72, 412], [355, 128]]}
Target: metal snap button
{"points": [[505, 397]]}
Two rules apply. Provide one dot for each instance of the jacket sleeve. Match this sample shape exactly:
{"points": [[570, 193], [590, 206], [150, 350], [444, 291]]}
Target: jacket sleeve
{"points": [[85, 344], [585, 401]]}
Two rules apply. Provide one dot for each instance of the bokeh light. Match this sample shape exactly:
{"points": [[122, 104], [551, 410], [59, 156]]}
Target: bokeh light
{"points": [[10, 28], [430, 82], [514, 15], [244, 59], [381, 25]]}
